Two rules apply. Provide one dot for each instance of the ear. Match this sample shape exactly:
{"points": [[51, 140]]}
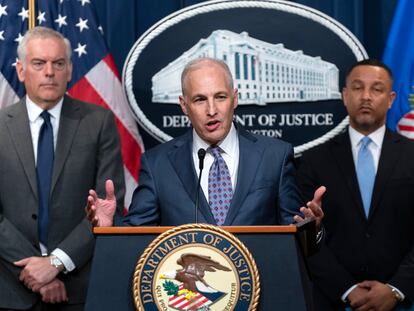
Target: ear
{"points": [[69, 74], [20, 71], [235, 98], [391, 101], [344, 95], [183, 104]]}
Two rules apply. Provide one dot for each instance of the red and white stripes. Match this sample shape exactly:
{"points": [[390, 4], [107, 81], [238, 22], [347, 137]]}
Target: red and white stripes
{"points": [[102, 86]]}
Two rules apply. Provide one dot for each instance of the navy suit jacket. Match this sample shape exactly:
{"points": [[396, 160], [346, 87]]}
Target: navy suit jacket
{"points": [[266, 192]]}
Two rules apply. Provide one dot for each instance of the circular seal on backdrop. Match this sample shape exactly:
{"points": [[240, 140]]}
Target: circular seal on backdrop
{"points": [[196, 267], [288, 63]]}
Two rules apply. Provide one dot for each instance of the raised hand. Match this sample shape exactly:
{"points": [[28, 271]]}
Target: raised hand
{"points": [[100, 212], [313, 208]]}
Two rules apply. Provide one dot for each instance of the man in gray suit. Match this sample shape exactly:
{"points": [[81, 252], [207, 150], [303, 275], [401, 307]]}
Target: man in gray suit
{"points": [[46, 241]]}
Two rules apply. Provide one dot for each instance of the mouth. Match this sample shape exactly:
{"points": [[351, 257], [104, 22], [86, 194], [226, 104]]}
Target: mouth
{"points": [[212, 125], [48, 85], [365, 108]]}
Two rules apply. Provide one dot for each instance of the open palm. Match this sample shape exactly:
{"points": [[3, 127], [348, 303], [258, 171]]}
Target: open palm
{"points": [[100, 212]]}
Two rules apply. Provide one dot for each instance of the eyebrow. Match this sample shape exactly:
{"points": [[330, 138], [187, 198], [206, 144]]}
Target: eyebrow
{"points": [[44, 60], [363, 82]]}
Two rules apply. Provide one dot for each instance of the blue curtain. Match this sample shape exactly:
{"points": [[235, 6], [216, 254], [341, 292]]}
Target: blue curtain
{"points": [[125, 20]]}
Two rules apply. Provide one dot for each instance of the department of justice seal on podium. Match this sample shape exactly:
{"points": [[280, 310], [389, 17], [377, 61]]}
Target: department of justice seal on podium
{"points": [[196, 267]]}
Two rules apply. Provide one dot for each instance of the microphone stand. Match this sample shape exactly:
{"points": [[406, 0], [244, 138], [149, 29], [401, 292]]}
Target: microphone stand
{"points": [[201, 154]]}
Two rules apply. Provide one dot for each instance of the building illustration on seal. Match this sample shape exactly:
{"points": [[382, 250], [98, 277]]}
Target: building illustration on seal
{"points": [[263, 72]]}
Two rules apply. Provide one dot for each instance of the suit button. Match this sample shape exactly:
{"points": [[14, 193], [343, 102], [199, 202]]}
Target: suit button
{"points": [[368, 235], [363, 269], [34, 216]]}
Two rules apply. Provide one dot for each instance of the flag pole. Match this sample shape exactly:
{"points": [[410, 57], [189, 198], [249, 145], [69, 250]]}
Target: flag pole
{"points": [[32, 17]]}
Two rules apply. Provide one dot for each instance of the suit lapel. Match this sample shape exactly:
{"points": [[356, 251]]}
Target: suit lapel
{"points": [[390, 151], [181, 157], [19, 129], [69, 122], [342, 151], [249, 159]]}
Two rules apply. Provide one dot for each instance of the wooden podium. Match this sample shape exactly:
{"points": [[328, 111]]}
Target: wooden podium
{"points": [[277, 250]]}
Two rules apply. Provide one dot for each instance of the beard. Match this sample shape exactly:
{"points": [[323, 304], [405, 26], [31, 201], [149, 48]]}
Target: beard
{"points": [[366, 123]]}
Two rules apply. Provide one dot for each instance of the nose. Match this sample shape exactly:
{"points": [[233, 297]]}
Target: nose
{"points": [[366, 93], [211, 107], [49, 70]]}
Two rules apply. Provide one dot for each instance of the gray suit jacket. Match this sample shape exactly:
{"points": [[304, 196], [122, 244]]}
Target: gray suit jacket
{"points": [[87, 153], [266, 191]]}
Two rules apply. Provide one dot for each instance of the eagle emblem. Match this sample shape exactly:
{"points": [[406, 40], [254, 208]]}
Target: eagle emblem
{"points": [[192, 292]]}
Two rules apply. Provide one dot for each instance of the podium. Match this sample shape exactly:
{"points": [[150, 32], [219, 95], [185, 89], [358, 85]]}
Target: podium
{"points": [[277, 250]]}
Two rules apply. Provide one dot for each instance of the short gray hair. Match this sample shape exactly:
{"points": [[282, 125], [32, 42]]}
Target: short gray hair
{"points": [[40, 32], [195, 63]]}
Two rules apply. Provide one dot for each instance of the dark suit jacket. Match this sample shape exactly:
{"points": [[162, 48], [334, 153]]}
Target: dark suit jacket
{"points": [[356, 248], [266, 191], [87, 153]]}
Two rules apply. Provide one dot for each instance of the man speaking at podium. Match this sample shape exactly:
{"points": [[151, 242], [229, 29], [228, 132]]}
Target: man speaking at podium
{"points": [[249, 179]]}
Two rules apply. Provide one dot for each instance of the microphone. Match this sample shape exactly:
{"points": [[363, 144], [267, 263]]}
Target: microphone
{"points": [[201, 155]]}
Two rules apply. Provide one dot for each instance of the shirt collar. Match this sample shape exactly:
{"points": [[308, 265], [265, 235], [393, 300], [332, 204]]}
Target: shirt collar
{"points": [[377, 136], [228, 144], [34, 110]]}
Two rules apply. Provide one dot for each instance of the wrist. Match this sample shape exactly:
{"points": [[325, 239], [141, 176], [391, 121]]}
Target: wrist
{"points": [[396, 294], [57, 263]]}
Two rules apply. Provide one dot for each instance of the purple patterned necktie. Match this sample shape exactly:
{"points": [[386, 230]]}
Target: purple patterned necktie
{"points": [[220, 191]]}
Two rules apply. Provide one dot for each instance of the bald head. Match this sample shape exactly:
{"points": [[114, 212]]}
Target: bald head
{"points": [[208, 98], [200, 62]]}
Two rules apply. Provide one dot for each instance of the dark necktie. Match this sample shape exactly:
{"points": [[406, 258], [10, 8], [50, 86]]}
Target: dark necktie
{"points": [[220, 191], [44, 168], [365, 173]]}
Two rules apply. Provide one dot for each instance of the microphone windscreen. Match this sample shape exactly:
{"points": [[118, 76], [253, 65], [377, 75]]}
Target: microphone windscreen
{"points": [[201, 153]]}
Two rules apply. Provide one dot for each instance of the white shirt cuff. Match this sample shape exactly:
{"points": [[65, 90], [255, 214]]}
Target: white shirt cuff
{"points": [[344, 297], [65, 259]]}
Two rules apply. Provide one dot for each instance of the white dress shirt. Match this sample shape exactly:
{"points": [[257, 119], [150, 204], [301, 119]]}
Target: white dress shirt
{"points": [[36, 122], [230, 154], [377, 137]]}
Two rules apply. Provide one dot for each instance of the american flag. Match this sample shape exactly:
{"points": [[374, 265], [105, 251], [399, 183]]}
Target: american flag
{"points": [[399, 56], [179, 302], [95, 78]]}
